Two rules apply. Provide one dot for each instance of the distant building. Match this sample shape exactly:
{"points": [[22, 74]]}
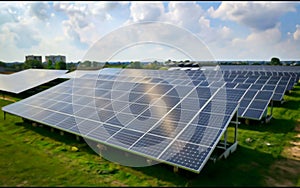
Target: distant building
{"points": [[55, 58], [33, 57]]}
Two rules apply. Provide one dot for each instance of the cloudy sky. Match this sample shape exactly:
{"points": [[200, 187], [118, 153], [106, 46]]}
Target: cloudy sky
{"points": [[117, 30]]}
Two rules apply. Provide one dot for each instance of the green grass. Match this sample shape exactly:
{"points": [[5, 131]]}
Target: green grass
{"points": [[35, 156]]}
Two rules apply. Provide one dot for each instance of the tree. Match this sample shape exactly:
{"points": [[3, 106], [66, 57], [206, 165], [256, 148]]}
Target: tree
{"points": [[60, 65], [275, 61], [106, 65], [49, 64], [136, 65], [33, 63], [2, 64]]}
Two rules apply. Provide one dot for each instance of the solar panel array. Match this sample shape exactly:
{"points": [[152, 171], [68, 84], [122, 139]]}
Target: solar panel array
{"points": [[263, 84], [266, 68], [27, 79], [161, 115], [175, 117], [78, 73], [266, 88]]}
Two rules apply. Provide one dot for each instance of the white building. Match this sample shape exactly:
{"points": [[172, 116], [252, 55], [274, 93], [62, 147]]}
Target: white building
{"points": [[55, 58]]}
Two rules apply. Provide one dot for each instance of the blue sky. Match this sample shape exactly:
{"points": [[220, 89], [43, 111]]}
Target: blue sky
{"points": [[229, 30]]}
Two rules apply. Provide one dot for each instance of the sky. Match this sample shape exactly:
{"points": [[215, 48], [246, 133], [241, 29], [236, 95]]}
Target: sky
{"points": [[128, 31]]}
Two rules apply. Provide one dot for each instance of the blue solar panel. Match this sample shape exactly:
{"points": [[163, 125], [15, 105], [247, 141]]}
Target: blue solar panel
{"points": [[253, 114], [240, 111], [26, 110], [250, 94], [41, 114], [192, 103], [228, 94], [251, 80], [186, 155], [87, 126], [264, 95], [160, 89], [125, 138], [85, 112], [180, 115], [245, 102], [239, 80], [269, 87], [200, 135], [256, 86], [220, 107], [54, 118], [204, 92], [230, 84], [217, 84], [259, 104], [68, 122], [261, 81], [167, 128], [167, 101], [151, 145], [204, 83], [242, 86], [277, 97], [142, 99], [212, 120], [103, 132]]}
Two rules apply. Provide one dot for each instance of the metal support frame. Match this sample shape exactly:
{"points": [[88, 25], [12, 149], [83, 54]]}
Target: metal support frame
{"points": [[269, 117], [226, 147]]}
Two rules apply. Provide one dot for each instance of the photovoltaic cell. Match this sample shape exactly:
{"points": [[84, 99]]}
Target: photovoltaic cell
{"points": [[151, 145], [259, 104], [200, 135], [186, 155], [264, 95], [253, 113]]}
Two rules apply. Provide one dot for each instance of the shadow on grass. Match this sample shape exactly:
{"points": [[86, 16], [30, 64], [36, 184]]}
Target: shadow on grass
{"points": [[289, 104], [274, 126], [245, 167], [67, 138]]}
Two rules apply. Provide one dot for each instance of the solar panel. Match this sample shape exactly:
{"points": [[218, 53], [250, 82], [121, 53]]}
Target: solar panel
{"points": [[230, 94], [253, 114], [152, 118], [264, 95], [78, 73], [27, 79]]}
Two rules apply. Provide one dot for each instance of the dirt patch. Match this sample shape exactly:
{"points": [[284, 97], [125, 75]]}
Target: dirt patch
{"points": [[7, 98], [287, 169], [297, 127], [284, 172], [118, 184]]}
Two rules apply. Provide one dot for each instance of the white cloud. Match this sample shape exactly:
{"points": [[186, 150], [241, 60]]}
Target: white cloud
{"points": [[256, 15], [296, 35], [40, 10], [12, 12], [141, 11], [85, 22], [71, 28], [186, 14], [256, 46]]}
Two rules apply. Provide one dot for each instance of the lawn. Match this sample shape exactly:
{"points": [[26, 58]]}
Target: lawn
{"points": [[36, 156]]}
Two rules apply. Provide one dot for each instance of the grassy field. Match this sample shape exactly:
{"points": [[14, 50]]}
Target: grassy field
{"points": [[35, 156]]}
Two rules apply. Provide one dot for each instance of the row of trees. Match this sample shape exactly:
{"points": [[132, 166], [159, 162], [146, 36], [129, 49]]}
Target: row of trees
{"points": [[49, 65], [88, 64]]}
